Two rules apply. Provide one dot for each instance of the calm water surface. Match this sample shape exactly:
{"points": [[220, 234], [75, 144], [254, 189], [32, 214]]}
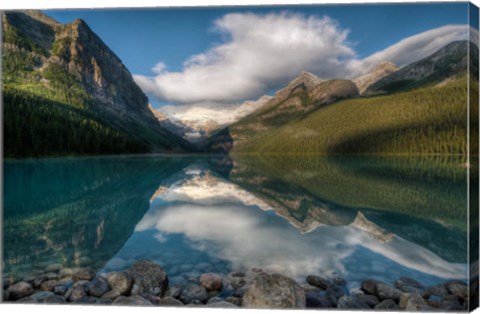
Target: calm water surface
{"points": [[357, 217]]}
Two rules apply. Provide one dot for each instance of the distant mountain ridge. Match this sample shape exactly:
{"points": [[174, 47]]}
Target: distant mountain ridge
{"points": [[70, 64], [443, 64], [380, 71]]}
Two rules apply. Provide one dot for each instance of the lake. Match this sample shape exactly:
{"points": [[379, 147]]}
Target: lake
{"points": [[352, 217]]}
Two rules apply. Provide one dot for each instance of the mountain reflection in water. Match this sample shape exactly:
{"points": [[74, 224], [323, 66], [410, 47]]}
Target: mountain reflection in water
{"points": [[359, 216]]}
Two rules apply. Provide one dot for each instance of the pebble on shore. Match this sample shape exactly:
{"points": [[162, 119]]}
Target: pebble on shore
{"points": [[146, 284]]}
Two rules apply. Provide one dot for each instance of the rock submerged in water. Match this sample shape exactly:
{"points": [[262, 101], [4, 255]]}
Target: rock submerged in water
{"points": [[387, 305], [121, 284], [211, 281], [409, 285], [369, 286], [193, 292], [84, 274], [132, 300], [385, 291], [149, 277], [98, 287], [413, 302], [318, 282], [273, 291], [19, 290], [350, 302]]}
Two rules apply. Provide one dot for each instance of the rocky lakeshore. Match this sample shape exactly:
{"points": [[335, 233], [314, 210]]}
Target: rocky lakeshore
{"points": [[146, 284]]}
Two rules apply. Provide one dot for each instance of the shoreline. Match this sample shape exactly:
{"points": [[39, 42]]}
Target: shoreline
{"points": [[147, 284]]}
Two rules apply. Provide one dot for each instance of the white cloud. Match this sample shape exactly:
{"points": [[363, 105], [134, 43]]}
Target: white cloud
{"points": [[412, 48], [159, 68], [263, 52]]}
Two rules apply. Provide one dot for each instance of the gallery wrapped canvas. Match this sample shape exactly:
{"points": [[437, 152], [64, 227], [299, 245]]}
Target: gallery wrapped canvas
{"points": [[279, 157]]}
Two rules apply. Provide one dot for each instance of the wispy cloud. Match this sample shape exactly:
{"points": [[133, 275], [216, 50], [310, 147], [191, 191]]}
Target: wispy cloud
{"points": [[263, 52]]}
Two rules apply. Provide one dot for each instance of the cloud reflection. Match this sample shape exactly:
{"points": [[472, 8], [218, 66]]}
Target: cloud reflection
{"points": [[216, 218]]}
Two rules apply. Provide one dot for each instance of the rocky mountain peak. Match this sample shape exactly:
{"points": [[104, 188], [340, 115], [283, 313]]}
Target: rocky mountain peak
{"points": [[380, 71], [43, 18]]}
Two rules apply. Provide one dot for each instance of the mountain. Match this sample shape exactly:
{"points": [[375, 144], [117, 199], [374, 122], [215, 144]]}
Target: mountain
{"points": [[196, 123], [444, 64], [380, 71], [301, 96], [66, 75], [427, 120]]}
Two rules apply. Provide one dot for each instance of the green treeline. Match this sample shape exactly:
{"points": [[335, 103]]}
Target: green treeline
{"points": [[36, 126], [424, 121]]}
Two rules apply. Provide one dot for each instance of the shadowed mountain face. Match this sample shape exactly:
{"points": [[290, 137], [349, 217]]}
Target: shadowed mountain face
{"points": [[442, 65], [67, 74]]}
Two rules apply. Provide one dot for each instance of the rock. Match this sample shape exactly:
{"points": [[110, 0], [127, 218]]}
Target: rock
{"points": [[222, 304], [86, 300], [195, 302], [215, 299], [339, 281], [41, 295], [194, 292], [308, 287], [370, 300], [10, 280], [38, 281], [5, 295], [387, 304], [150, 277], [333, 293], [98, 287], [111, 295], [120, 283], [26, 300], [316, 300], [213, 293], [174, 291], [103, 301], [19, 290], [65, 272], [239, 293], [169, 301], [53, 268], [409, 285], [54, 299], [84, 274], [60, 290], [350, 302], [439, 291], [133, 300], [458, 289], [385, 291], [413, 302], [67, 282], [29, 278], [77, 293], [234, 300], [369, 286], [48, 285], [318, 282], [211, 281], [273, 291], [237, 280], [451, 305]]}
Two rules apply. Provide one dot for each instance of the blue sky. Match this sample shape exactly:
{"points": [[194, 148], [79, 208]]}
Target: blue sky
{"points": [[144, 37]]}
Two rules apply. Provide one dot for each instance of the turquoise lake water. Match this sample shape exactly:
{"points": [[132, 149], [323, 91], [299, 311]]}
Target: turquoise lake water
{"points": [[355, 217]]}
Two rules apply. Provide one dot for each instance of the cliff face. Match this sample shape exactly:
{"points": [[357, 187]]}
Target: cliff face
{"points": [[72, 57]]}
